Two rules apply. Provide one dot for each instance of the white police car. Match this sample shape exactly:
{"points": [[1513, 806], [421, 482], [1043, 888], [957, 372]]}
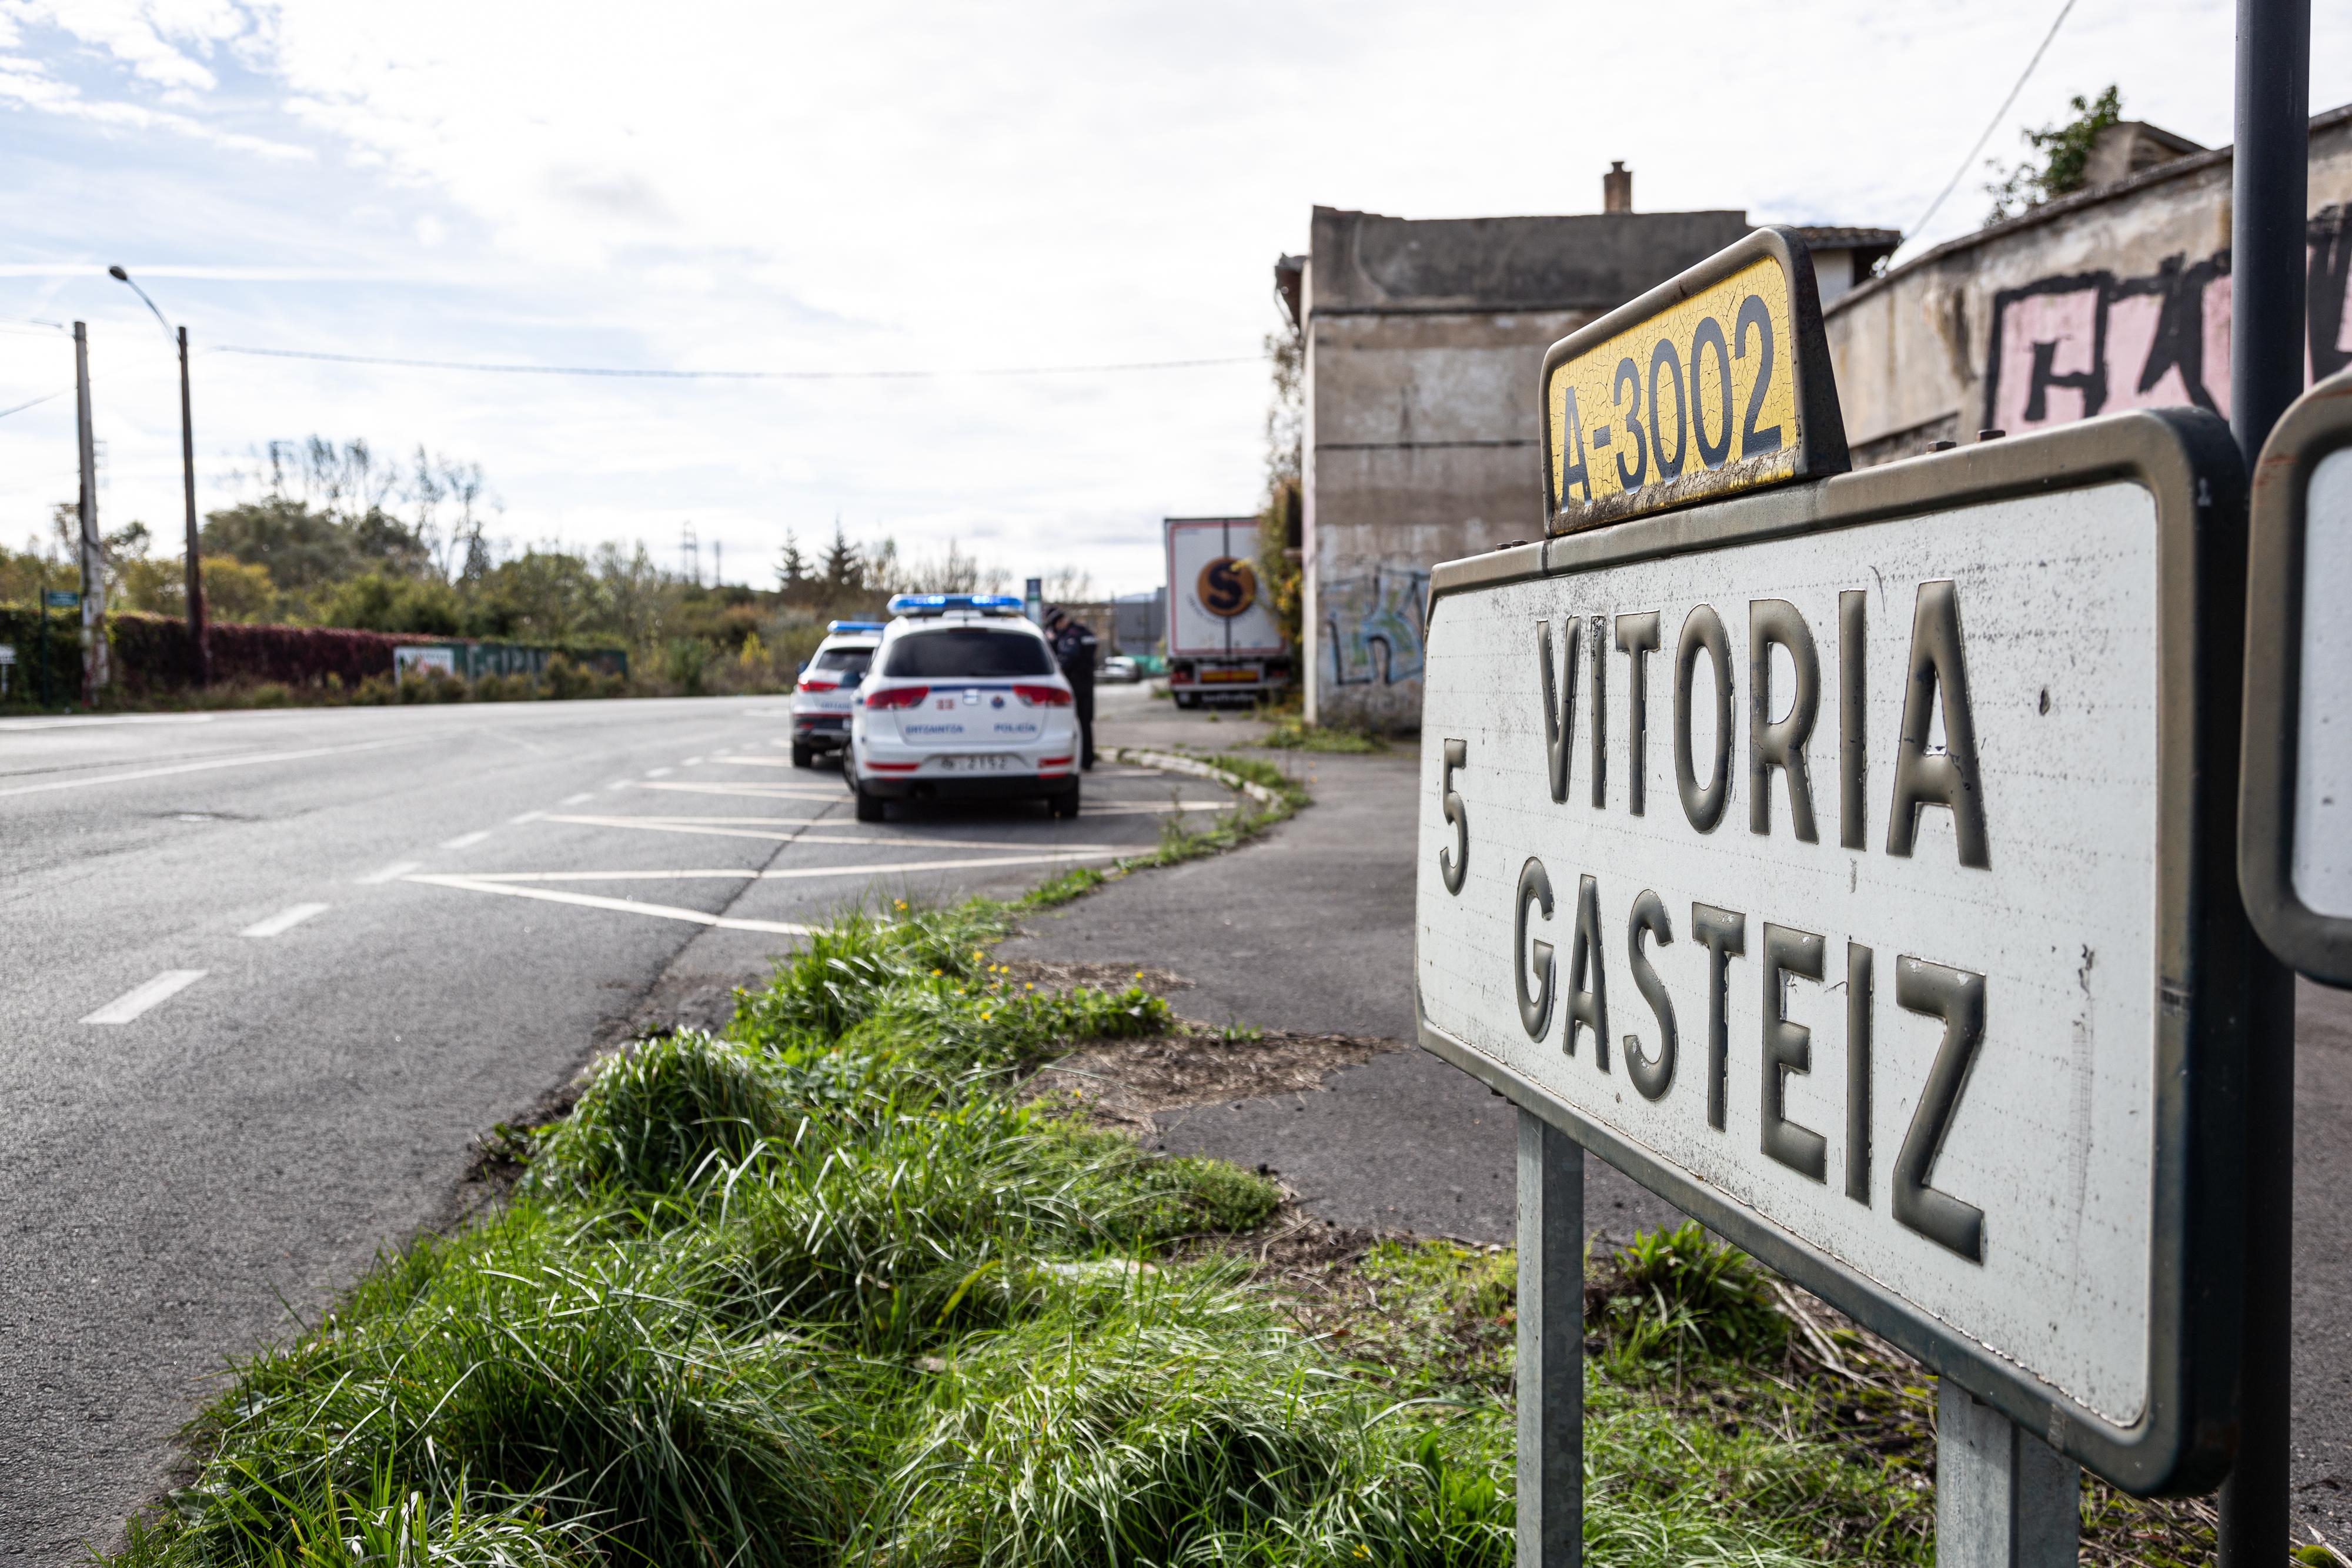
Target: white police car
{"points": [[821, 701], [963, 701]]}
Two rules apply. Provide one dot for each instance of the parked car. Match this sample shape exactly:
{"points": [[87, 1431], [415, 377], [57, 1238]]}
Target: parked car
{"points": [[828, 686], [1120, 670], [963, 700]]}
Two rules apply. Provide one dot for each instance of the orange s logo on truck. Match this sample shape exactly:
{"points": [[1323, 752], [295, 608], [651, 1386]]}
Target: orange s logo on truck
{"points": [[1227, 587]]}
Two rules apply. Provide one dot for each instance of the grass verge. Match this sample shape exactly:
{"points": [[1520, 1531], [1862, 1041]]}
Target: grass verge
{"points": [[820, 1291]]}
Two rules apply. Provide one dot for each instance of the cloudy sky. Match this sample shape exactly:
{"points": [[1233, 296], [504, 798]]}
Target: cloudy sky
{"points": [[787, 187]]}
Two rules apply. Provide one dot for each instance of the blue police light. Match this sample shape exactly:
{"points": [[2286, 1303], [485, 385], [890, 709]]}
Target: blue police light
{"points": [[834, 627], [943, 603]]}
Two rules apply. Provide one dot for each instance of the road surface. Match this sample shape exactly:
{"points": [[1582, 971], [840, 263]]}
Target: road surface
{"points": [[266, 976]]}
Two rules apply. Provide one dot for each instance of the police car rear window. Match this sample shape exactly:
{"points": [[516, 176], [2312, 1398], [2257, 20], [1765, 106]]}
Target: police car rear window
{"points": [[847, 661], [973, 651]]}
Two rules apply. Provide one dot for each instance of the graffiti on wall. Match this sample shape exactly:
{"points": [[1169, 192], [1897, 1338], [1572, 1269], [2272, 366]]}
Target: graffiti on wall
{"points": [[2066, 347], [1375, 624]]}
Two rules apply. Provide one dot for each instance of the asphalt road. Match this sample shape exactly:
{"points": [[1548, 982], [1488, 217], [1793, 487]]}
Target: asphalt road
{"points": [[337, 945]]}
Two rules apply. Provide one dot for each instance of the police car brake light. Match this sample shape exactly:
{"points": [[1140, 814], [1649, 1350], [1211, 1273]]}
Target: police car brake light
{"points": [[922, 604]]}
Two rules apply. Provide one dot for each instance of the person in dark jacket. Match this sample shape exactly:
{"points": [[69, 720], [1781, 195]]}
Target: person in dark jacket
{"points": [[1074, 648]]}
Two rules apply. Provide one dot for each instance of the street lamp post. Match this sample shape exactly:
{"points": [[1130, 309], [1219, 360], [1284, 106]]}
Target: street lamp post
{"points": [[196, 639]]}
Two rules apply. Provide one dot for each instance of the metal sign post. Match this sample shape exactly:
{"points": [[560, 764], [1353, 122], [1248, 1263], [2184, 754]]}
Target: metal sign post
{"points": [[2270, 196], [1849, 863]]}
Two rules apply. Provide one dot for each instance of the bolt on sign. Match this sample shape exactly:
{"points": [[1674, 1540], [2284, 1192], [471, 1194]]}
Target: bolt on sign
{"points": [[1849, 863], [1713, 383], [2295, 824]]}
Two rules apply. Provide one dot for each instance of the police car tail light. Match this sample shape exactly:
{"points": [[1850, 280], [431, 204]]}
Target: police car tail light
{"points": [[897, 697], [1042, 696], [820, 685]]}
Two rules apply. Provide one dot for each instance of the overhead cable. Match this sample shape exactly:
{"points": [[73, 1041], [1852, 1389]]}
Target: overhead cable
{"points": [[731, 375], [1994, 124]]}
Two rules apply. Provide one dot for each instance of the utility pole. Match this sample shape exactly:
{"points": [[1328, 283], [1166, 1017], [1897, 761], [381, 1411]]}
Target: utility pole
{"points": [[197, 642], [196, 639], [2270, 173], [718, 563], [93, 556]]}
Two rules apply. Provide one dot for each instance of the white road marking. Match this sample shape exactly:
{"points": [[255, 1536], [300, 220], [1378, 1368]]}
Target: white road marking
{"points": [[755, 761], [286, 919], [717, 827], [465, 841], [526, 817], [659, 772], [1125, 810], [581, 798], [391, 872], [132, 1003], [794, 873], [87, 722], [760, 792], [246, 761], [691, 762], [619, 906], [620, 783]]}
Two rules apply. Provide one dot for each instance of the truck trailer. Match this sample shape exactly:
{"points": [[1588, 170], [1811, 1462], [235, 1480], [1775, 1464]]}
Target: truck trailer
{"points": [[1223, 637]]}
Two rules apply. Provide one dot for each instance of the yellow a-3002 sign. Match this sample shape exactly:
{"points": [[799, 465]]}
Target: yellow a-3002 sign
{"points": [[1715, 381]]}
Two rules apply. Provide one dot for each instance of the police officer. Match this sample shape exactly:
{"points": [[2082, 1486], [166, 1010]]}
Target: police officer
{"points": [[1074, 648]]}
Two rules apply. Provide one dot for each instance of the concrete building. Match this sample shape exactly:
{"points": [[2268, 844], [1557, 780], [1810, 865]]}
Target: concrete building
{"points": [[1423, 342], [2115, 297]]}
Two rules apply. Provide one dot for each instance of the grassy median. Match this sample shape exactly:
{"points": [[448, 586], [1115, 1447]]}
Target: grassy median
{"points": [[820, 1291]]}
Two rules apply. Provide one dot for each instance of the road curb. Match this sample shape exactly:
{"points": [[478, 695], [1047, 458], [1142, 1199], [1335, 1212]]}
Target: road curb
{"points": [[1169, 761]]}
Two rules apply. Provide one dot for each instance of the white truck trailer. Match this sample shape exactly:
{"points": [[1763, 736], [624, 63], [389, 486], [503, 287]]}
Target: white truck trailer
{"points": [[1223, 637]]}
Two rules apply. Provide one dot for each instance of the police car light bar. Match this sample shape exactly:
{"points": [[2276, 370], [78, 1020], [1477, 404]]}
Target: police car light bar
{"points": [[834, 627], [942, 603]]}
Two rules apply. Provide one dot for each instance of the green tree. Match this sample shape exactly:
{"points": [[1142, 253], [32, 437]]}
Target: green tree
{"points": [[792, 566], [301, 547], [843, 570], [2062, 157]]}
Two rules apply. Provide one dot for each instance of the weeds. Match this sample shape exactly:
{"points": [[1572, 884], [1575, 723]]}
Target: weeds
{"points": [[1290, 732]]}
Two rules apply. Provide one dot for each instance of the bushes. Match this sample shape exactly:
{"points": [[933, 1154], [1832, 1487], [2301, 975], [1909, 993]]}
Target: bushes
{"points": [[153, 653]]}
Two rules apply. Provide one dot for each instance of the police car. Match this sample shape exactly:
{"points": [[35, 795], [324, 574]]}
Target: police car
{"points": [[963, 701], [822, 700]]}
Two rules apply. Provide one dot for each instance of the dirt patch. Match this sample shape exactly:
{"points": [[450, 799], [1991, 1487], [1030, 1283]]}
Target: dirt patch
{"points": [[1124, 1082], [1055, 976]]}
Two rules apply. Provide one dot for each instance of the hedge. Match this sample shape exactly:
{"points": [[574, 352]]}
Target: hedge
{"points": [[20, 627], [153, 652]]}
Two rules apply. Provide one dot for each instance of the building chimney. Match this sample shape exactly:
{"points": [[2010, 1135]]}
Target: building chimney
{"points": [[1617, 188]]}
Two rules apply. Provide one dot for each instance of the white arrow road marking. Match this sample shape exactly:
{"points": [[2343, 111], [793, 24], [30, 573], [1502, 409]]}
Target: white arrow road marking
{"points": [[466, 841], [619, 906], [391, 872], [286, 919], [131, 1004], [774, 875]]}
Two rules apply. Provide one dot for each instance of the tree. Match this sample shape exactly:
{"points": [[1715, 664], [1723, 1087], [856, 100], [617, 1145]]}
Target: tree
{"points": [[843, 569], [1280, 578], [792, 566], [2064, 155]]}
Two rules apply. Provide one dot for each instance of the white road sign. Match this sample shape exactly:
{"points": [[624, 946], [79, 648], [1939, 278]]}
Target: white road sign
{"points": [[2296, 823], [1826, 858]]}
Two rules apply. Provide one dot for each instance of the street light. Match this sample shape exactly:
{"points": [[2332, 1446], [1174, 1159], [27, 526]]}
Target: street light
{"points": [[188, 474]]}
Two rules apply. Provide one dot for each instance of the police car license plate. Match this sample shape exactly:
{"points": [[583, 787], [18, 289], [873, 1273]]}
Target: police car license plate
{"points": [[993, 762]]}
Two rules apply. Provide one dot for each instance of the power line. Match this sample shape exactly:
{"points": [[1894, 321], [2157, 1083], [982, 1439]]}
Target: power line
{"points": [[1997, 116], [732, 375], [45, 397]]}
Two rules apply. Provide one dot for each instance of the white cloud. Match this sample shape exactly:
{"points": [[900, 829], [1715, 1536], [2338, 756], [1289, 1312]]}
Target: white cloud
{"points": [[746, 185]]}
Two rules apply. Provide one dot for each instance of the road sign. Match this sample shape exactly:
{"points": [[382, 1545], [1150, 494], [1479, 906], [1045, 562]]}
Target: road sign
{"points": [[1715, 382], [1848, 863], [2294, 825], [62, 599]]}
